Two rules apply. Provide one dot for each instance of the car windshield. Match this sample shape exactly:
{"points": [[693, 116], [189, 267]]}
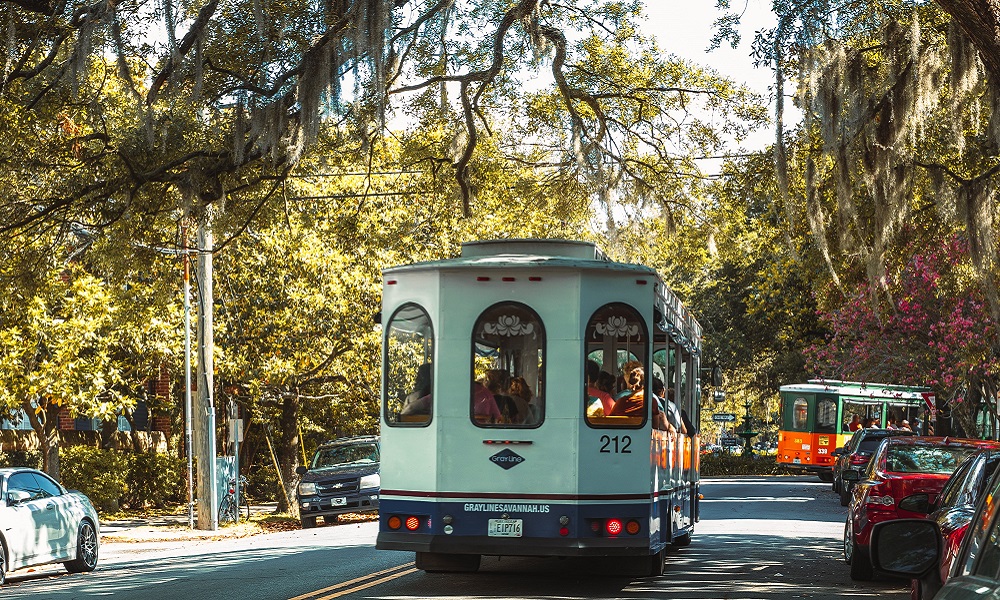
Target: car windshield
{"points": [[869, 444], [349, 454], [926, 459]]}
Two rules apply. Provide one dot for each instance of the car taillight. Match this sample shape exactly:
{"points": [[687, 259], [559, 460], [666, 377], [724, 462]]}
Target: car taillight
{"points": [[880, 501], [859, 459]]}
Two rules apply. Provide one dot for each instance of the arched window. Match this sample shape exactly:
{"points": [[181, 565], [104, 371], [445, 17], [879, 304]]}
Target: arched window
{"points": [[409, 368], [508, 366], [800, 414], [616, 344]]}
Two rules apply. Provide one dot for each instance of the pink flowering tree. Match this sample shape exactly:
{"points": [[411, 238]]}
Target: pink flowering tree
{"points": [[929, 326]]}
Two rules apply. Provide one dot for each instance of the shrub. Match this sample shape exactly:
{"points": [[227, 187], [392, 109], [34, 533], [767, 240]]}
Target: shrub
{"points": [[100, 474], [154, 479], [721, 463], [111, 478], [21, 458]]}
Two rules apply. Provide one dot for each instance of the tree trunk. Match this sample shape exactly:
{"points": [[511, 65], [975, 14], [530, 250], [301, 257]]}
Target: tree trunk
{"points": [[288, 449], [980, 20], [46, 426]]}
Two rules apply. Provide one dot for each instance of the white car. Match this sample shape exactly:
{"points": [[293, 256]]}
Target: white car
{"points": [[41, 522]]}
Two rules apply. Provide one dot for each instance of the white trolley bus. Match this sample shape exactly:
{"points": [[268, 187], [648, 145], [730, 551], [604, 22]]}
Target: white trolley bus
{"points": [[497, 441]]}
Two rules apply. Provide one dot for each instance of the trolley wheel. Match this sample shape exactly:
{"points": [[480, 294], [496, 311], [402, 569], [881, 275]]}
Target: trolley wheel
{"points": [[308, 522], [682, 540], [656, 565], [439, 562], [330, 519]]}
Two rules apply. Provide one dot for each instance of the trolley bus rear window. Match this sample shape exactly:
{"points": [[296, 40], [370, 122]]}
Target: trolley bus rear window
{"points": [[616, 352], [508, 365], [408, 373]]}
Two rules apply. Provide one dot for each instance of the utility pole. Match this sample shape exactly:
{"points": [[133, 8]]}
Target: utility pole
{"points": [[188, 448], [204, 412]]}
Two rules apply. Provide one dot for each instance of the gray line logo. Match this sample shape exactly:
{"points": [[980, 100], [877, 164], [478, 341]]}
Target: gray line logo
{"points": [[507, 458]]}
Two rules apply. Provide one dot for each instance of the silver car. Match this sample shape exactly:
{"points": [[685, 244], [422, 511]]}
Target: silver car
{"points": [[41, 522]]}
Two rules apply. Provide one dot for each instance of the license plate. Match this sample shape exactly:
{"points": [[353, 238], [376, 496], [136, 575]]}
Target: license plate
{"points": [[504, 528], [338, 501], [797, 461]]}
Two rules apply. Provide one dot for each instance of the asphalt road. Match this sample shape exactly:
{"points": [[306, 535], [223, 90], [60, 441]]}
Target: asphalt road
{"points": [[759, 538]]}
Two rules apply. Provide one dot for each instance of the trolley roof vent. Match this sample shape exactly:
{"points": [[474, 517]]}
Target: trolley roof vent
{"points": [[533, 247]]}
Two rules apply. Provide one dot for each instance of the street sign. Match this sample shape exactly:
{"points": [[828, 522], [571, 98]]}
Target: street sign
{"points": [[724, 417], [730, 441]]}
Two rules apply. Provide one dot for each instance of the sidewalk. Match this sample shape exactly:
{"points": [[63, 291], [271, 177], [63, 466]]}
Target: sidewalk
{"points": [[174, 528]]}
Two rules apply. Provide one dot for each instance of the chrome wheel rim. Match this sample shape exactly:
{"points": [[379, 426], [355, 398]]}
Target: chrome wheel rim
{"points": [[88, 545], [3, 566], [848, 541]]}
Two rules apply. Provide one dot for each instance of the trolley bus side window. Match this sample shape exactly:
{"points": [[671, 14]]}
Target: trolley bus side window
{"points": [[826, 415], [796, 413], [616, 339], [508, 366], [408, 372]]}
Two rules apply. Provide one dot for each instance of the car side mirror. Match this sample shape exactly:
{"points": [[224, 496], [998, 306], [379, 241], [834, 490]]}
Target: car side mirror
{"points": [[301, 470], [908, 548], [851, 475], [838, 451], [15, 497]]}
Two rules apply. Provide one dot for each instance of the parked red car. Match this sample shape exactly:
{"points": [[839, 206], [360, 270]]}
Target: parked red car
{"points": [[953, 513], [902, 481]]}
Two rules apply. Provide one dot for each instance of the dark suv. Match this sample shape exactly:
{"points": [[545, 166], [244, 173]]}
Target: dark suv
{"points": [[342, 477], [856, 454]]}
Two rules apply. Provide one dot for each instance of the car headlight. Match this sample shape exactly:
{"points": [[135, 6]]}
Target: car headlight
{"points": [[370, 481], [307, 489]]}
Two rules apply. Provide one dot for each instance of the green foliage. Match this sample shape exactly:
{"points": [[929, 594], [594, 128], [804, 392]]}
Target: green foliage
{"points": [[100, 474], [718, 464], [154, 479], [111, 478], [21, 458]]}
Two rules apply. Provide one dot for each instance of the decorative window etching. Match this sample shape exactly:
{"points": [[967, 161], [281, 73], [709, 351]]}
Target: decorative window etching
{"points": [[509, 326], [617, 326]]}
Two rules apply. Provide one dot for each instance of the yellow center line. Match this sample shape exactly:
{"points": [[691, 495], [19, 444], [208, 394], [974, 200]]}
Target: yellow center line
{"points": [[347, 583], [367, 585]]}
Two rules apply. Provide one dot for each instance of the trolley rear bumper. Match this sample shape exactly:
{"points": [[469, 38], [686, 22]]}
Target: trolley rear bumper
{"points": [[513, 547]]}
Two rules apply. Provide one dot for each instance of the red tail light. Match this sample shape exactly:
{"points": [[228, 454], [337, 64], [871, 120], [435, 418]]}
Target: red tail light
{"points": [[613, 526], [859, 459], [412, 523]]}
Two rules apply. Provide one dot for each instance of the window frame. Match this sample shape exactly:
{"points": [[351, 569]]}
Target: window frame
{"points": [[541, 383], [648, 350], [387, 329]]}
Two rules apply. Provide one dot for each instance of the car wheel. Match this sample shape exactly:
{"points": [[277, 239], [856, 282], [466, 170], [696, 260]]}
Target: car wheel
{"points": [[3, 564], [87, 549], [861, 566], [825, 477], [848, 542], [845, 495], [836, 485], [308, 522]]}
